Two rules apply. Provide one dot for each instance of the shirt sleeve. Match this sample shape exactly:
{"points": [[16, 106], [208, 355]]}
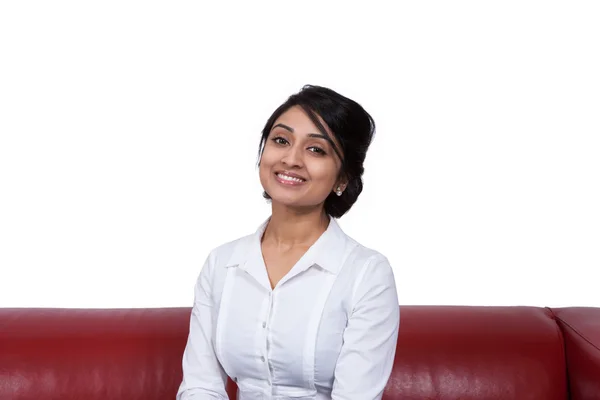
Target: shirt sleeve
{"points": [[369, 342], [203, 375]]}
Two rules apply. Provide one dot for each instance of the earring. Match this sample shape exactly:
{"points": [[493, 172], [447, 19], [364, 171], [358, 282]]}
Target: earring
{"points": [[338, 191]]}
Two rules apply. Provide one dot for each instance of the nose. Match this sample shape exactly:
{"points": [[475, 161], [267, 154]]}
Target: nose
{"points": [[293, 157]]}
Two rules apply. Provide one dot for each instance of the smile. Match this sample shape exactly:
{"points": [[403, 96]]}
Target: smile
{"points": [[289, 180]]}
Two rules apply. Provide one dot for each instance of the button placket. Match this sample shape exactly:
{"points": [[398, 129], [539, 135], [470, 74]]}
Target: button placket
{"points": [[266, 323]]}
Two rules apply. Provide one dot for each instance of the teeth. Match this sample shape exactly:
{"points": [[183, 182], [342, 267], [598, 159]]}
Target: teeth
{"points": [[289, 178]]}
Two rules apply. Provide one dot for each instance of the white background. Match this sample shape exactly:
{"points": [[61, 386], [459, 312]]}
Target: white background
{"points": [[129, 135]]}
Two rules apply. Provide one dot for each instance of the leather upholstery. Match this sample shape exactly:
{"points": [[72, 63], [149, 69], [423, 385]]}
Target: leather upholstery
{"points": [[91, 354], [581, 329], [444, 352], [478, 353]]}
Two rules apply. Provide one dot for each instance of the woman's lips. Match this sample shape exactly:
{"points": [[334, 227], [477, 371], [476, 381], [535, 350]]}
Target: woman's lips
{"points": [[288, 180]]}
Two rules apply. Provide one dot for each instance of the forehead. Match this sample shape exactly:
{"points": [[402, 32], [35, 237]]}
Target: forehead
{"points": [[297, 119]]}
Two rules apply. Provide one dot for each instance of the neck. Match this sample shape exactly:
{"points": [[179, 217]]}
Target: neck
{"points": [[292, 227]]}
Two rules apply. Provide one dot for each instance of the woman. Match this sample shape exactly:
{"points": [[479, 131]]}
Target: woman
{"points": [[298, 310]]}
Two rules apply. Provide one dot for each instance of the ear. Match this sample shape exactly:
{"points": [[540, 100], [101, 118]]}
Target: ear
{"points": [[340, 185]]}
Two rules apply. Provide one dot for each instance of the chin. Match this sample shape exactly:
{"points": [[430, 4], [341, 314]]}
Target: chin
{"points": [[292, 201], [285, 199]]}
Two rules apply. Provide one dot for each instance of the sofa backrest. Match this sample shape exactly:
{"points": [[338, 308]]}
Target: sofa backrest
{"points": [[443, 353], [581, 330], [447, 352], [87, 354]]}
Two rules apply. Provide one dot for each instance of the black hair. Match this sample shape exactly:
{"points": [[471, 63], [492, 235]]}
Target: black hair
{"points": [[351, 125]]}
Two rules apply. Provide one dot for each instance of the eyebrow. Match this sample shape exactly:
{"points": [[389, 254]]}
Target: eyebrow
{"points": [[313, 135]]}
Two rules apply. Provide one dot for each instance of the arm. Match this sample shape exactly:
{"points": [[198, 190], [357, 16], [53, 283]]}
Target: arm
{"points": [[367, 355], [203, 376]]}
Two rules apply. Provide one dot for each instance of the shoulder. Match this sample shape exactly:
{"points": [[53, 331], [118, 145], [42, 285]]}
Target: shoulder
{"points": [[232, 252], [368, 269], [213, 272], [363, 258], [227, 253]]}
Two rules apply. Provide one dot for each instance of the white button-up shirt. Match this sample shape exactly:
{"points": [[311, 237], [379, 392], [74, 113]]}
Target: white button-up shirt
{"points": [[328, 330]]}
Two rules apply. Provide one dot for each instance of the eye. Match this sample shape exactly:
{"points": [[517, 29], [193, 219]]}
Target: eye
{"points": [[317, 150], [279, 140]]}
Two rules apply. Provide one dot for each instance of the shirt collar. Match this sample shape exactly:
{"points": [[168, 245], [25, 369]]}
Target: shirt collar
{"points": [[326, 252]]}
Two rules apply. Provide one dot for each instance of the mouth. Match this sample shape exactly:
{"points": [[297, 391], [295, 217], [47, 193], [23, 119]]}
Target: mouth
{"points": [[289, 179]]}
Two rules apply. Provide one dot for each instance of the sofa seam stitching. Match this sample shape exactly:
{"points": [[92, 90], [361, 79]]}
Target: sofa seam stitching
{"points": [[576, 331], [564, 355]]}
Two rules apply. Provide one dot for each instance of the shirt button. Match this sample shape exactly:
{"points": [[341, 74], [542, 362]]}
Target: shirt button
{"points": [[264, 324], [262, 358]]}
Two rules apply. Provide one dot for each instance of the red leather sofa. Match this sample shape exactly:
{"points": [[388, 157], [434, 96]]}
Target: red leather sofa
{"points": [[444, 352]]}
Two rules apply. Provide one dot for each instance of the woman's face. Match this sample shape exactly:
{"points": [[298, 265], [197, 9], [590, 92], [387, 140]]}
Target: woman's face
{"points": [[299, 167]]}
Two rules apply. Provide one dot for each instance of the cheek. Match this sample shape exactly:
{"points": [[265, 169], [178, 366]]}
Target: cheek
{"points": [[325, 173], [263, 169], [266, 163], [270, 154]]}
